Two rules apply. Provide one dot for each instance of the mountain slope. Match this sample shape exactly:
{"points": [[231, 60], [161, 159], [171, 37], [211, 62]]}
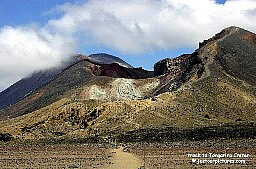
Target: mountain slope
{"points": [[77, 79], [208, 94], [23, 87], [29, 84]]}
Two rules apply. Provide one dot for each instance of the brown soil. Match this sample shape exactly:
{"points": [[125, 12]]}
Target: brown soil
{"points": [[124, 160], [177, 157], [54, 157], [84, 156]]}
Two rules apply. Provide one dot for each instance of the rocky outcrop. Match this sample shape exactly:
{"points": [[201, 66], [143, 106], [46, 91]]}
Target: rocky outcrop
{"points": [[175, 66], [174, 72]]}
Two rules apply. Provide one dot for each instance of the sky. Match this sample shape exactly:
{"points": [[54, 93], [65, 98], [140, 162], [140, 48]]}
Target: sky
{"points": [[40, 34]]}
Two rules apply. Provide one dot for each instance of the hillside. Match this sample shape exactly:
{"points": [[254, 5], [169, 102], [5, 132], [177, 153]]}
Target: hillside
{"points": [[38, 79], [83, 80], [208, 94]]}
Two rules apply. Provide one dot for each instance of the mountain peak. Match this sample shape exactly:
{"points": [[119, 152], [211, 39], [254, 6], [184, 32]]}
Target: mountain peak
{"points": [[108, 59], [224, 33], [232, 28]]}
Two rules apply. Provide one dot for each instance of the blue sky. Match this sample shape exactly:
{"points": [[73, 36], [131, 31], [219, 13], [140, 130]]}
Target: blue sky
{"points": [[23, 12], [38, 34]]}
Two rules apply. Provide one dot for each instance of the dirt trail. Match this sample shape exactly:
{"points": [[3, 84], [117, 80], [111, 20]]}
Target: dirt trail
{"points": [[124, 160]]}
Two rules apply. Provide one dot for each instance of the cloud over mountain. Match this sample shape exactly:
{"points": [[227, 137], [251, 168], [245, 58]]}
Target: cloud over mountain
{"points": [[131, 27], [138, 26], [24, 50]]}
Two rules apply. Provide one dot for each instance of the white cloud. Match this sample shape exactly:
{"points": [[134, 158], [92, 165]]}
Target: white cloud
{"points": [[137, 26], [132, 27], [24, 50]]}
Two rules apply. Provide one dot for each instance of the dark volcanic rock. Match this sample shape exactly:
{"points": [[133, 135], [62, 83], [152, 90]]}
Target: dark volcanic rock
{"points": [[175, 66], [174, 72], [237, 55], [170, 134], [5, 137], [115, 70]]}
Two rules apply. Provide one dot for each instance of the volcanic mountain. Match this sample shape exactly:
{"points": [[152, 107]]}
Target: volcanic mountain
{"points": [[29, 84], [208, 94]]}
